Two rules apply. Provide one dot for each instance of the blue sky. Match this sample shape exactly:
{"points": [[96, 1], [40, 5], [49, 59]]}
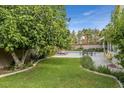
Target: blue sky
{"points": [[88, 16]]}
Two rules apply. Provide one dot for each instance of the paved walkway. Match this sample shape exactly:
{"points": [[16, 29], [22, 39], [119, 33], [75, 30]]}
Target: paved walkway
{"points": [[100, 60]]}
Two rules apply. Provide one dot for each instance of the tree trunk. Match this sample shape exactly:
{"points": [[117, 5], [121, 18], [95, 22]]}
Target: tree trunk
{"points": [[24, 56], [16, 59], [20, 63]]}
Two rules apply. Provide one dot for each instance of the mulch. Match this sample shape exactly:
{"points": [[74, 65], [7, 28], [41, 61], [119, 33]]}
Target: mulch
{"points": [[4, 71]]}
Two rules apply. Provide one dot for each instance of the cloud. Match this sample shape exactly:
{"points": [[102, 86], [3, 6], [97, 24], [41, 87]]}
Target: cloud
{"points": [[94, 18], [88, 13]]}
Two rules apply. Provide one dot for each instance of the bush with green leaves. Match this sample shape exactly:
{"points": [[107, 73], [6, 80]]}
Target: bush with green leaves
{"points": [[104, 69], [94, 50], [119, 75], [87, 62], [78, 49], [48, 51]]}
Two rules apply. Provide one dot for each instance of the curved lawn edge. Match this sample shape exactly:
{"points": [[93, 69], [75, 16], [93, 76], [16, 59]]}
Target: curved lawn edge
{"points": [[23, 70], [106, 75], [35, 64]]}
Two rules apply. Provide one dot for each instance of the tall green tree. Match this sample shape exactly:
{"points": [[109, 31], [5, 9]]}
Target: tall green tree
{"points": [[118, 38], [32, 27], [114, 32], [91, 35], [74, 37]]}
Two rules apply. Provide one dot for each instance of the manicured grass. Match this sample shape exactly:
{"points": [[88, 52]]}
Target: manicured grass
{"points": [[57, 72]]}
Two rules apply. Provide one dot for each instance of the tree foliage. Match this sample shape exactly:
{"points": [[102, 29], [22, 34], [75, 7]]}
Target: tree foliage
{"points": [[114, 32], [91, 34], [119, 38], [32, 27]]}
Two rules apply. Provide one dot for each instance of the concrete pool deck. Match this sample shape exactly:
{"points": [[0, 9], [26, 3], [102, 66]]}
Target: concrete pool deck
{"points": [[69, 54]]}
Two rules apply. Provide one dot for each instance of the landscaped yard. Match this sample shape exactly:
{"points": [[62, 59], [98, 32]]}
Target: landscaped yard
{"points": [[57, 72]]}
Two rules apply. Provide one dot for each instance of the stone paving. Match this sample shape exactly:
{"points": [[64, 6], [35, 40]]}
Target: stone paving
{"points": [[100, 60]]}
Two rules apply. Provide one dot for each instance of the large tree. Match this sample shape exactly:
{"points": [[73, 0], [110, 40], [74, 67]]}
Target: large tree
{"points": [[118, 37], [32, 27], [114, 32]]}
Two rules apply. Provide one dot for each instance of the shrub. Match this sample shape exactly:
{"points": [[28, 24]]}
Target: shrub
{"points": [[104, 69], [119, 75], [120, 57], [77, 49], [43, 52], [28, 64], [94, 50], [12, 65], [87, 62], [99, 49]]}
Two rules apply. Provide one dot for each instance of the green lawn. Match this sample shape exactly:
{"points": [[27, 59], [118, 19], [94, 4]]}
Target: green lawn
{"points": [[57, 72]]}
